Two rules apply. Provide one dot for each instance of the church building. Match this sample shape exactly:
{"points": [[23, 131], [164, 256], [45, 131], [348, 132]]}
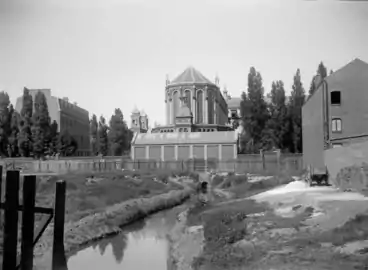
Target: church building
{"points": [[197, 124], [194, 104]]}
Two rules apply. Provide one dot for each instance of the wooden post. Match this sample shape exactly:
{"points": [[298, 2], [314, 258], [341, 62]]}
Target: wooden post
{"points": [[58, 256], [28, 217], [1, 185], [11, 220], [263, 160]]}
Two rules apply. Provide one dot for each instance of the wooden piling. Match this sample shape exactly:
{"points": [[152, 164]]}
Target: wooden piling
{"points": [[1, 190], [11, 220], [28, 217], [58, 256]]}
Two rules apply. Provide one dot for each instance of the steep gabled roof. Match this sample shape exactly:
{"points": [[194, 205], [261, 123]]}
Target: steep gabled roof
{"points": [[348, 70], [191, 75]]}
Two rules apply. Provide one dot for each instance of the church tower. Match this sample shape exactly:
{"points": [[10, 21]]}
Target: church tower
{"points": [[139, 121]]}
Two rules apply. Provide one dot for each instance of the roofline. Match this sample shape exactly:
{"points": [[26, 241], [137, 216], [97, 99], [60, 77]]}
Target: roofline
{"points": [[317, 89], [230, 143], [191, 84]]}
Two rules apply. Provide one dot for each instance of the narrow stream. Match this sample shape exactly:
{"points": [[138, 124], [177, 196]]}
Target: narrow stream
{"points": [[143, 245]]}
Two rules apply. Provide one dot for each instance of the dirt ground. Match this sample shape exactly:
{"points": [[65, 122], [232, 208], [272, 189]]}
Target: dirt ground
{"points": [[287, 228]]}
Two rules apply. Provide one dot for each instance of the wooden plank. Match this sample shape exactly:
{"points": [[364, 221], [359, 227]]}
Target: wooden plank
{"points": [[58, 253], [37, 209], [28, 218], [11, 220]]}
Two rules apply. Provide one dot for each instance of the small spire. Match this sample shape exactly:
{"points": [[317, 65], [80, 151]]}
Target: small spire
{"points": [[167, 79], [135, 110], [217, 80]]}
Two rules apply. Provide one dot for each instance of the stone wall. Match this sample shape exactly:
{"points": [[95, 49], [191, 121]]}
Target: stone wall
{"points": [[348, 165]]}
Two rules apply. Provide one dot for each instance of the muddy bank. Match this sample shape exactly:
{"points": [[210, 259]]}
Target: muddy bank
{"points": [[186, 243], [290, 227], [100, 225]]}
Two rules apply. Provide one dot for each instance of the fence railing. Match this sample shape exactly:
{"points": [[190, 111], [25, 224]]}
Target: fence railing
{"points": [[237, 166], [249, 163]]}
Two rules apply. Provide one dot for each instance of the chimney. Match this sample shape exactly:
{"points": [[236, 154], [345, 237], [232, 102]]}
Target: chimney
{"points": [[317, 80]]}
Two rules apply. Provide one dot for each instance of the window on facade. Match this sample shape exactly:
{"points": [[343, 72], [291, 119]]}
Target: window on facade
{"points": [[335, 98], [336, 125]]}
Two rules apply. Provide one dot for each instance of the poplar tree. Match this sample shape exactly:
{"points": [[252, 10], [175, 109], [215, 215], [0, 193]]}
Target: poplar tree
{"points": [[41, 126], [102, 137], [25, 123], [118, 136], [296, 102], [4, 123], [93, 133]]}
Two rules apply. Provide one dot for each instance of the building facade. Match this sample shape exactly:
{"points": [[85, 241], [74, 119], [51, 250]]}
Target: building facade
{"points": [[337, 113], [69, 116], [221, 146], [194, 104]]}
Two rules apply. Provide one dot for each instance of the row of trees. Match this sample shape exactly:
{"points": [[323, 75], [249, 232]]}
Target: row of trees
{"points": [[113, 139], [276, 124], [30, 132]]}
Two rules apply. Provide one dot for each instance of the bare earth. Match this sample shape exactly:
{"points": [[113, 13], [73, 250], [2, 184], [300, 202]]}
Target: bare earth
{"points": [[289, 227]]}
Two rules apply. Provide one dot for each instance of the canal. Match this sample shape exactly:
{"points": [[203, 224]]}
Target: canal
{"points": [[142, 245]]}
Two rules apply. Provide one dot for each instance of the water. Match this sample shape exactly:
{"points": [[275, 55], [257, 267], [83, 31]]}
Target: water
{"points": [[143, 245]]}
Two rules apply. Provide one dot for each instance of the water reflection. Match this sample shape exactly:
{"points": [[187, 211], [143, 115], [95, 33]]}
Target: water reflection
{"points": [[143, 245]]}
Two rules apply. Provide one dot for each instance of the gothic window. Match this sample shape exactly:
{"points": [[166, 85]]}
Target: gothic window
{"points": [[210, 108], [188, 98], [199, 112], [176, 103]]}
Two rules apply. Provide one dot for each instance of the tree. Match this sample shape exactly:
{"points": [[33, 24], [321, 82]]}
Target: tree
{"points": [[54, 142], [93, 129], [118, 136], [322, 71], [41, 126], [277, 125], [102, 137], [13, 134], [296, 102], [256, 116], [67, 144], [25, 123], [4, 122]]}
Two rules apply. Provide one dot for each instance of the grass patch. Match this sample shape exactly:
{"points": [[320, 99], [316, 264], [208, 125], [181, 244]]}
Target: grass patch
{"points": [[223, 226]]}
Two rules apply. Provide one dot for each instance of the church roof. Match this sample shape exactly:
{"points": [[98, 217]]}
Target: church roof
{"points": [[191, 75]]}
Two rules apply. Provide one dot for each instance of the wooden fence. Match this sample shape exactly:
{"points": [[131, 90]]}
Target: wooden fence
{"points": [[268, 162], [13, 204]]}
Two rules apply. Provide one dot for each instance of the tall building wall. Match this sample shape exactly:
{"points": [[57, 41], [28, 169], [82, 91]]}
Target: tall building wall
{"points": [[68, 116]]}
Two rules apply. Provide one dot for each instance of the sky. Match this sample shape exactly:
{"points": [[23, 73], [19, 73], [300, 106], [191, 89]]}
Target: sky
{"points": [[116, 53]]}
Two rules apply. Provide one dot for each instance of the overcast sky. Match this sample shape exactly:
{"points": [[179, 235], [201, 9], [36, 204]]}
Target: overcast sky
{"points": [[109, 53]]}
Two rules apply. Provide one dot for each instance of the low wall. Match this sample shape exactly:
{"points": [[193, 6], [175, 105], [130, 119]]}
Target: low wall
{"points": [[347, 165]]}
